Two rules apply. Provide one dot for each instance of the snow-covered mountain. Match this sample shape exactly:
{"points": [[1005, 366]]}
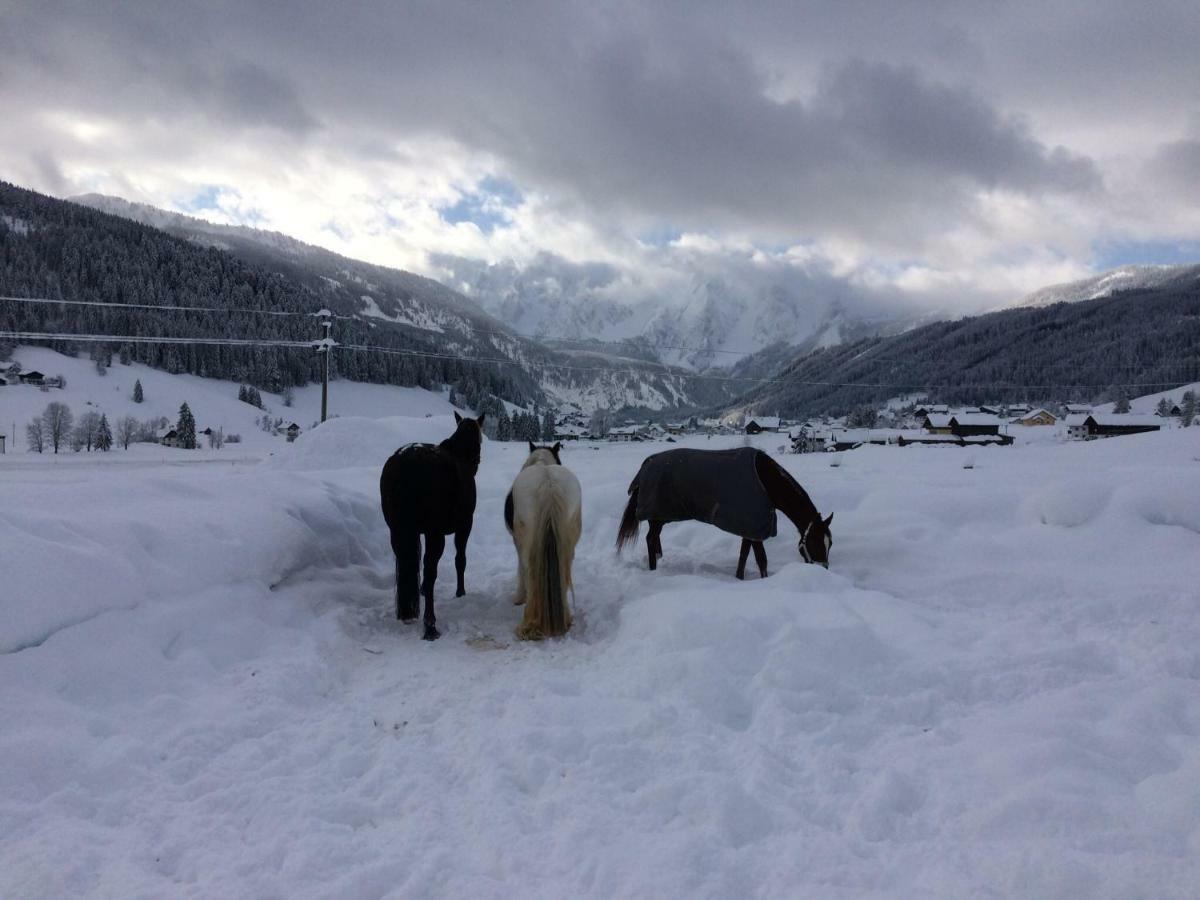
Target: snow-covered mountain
{"points": [[1124, 278], [724, 314]]}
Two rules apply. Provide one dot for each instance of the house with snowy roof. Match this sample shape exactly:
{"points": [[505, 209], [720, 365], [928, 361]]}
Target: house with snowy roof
{"points": [[1102, 425], [1035, 417], [759, 424]]}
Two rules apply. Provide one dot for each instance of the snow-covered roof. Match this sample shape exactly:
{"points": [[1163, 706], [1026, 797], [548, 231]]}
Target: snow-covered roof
{"points": [[938, 420], [1125, 419], [765, 421], [976, 418], [1034, 413]]}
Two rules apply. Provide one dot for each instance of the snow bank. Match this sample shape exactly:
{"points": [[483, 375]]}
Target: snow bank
{"points": [[993, 690], [348, 442]]}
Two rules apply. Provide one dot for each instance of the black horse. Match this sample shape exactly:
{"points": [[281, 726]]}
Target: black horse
{"points": [[430, 491], [736, 490]]}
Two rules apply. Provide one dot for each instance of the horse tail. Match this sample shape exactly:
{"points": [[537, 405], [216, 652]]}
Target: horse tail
{"points": [[554, 608], [549, 571], [628, 531]]}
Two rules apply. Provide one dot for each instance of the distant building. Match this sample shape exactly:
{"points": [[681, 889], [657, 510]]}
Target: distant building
{"points": [[759, 424], [171, 439], [626, 433], [2, 443], [1036, 417], [1077, 409], [1100, 425], [35, 378], [962, 424], [292, 432]]}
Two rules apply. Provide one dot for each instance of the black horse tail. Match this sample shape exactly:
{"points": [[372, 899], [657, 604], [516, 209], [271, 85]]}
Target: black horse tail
{"points": [[408, 602], [628, 531]]}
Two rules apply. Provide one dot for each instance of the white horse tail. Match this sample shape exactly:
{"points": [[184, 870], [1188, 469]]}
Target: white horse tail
{"points": [[548, 521]]}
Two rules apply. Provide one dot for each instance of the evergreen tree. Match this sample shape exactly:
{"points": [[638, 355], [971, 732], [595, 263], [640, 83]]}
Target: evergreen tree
{"points": [[138, 397], [503, 425], [186, 426], [242, 392], [1164, 408], [1122, 401], [548, 426], [1187, 409], [104, 438]]}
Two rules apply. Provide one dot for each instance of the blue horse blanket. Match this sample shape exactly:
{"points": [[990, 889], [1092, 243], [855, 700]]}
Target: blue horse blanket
{"points": [[720, 487]]}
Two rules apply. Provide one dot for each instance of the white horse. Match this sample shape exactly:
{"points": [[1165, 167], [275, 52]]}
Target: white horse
{"points": [[544, 514]]}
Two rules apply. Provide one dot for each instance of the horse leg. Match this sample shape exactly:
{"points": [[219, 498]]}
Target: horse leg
{"points": [[434, 545], [460, 557], [760, 558], [654, 544], [406, 546], [745, 552]]}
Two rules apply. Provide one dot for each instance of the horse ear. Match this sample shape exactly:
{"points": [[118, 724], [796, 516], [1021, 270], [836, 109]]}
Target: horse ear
{"points": [[828, 520], [480, 419], [457, 418], [532, 446]]}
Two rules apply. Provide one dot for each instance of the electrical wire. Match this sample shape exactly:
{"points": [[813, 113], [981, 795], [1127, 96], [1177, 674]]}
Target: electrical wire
{"points": [[319, 344]]}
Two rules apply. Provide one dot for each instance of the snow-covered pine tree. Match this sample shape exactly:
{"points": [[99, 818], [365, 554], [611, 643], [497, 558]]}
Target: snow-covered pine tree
{"points": [[548, 426], [1122, 401], [138, 396], [503, 425], [104, 438], [186, 426], [1163, 409], [1188, 409]]}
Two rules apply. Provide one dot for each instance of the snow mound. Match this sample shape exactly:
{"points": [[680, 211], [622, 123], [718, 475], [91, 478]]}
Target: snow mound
{"points": [[354, 441]]}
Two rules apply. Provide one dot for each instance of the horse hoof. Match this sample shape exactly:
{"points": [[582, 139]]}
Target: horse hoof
{"points": [[461, 592], [431, 633]]}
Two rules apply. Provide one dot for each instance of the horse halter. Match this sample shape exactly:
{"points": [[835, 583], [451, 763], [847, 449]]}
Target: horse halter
{"points": [[804, 543]]}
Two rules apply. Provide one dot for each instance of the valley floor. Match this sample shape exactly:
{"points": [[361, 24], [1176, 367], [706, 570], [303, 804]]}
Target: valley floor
{"points": [[994, 690]]}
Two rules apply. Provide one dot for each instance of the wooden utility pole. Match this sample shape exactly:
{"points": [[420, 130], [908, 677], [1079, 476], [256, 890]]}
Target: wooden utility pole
{"points": [[325, 347]]}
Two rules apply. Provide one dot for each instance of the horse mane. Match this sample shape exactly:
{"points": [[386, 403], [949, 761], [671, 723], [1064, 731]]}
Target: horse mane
{"points": [[465, 443], [537, 456], [785, 491]]}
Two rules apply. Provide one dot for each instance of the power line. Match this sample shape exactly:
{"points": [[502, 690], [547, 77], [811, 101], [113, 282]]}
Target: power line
{"points": [[499, 360], [148, 339], [627, 342], [170, 308]]}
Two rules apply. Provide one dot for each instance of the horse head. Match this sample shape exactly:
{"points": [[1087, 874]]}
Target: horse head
{"points": [[466, 444], [816, 541], [543, 456]]}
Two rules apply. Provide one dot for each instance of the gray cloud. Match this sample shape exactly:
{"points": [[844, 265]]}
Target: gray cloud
{"points": [[876, 125]]}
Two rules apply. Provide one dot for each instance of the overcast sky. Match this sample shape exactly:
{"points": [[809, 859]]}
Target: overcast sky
{"points": [[958, 153]]}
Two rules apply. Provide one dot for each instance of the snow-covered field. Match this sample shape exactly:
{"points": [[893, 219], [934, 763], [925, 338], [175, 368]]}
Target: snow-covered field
{"points": [[994, 691]]}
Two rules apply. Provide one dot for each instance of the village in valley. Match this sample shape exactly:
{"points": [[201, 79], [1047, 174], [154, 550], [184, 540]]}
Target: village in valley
{"points": [[908, 421]]}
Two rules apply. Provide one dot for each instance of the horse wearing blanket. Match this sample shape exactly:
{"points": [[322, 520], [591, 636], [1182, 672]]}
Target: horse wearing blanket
{"points": [[736, 490], [544, 514]]}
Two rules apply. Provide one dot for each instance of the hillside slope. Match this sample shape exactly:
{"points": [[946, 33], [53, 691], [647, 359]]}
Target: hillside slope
{"points": [[1145, 340], [383, 297]]}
